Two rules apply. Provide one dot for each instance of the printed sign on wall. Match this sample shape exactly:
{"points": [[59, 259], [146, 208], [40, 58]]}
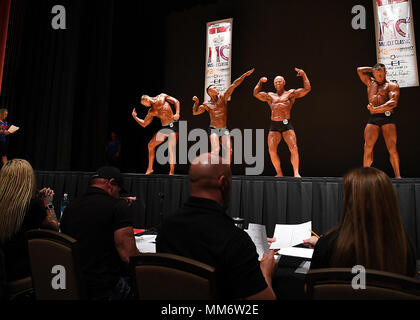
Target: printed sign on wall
{"points": [[395, 40], [218, 55]]}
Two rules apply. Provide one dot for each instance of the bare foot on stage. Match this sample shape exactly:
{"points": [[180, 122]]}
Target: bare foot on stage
{"points": [[297, 176], [279, 176], [149, 172]]}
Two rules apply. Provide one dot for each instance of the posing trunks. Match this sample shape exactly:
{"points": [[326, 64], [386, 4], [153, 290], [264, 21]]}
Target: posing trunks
{"points": [[381, 119], [219, 131], [173, 126], [281, 126]]}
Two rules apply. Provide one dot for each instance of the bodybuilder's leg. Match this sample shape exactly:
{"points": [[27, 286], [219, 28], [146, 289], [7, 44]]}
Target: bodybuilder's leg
{"points": [[274, 138]]}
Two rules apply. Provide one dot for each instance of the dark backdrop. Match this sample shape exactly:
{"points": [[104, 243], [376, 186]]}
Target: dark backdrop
{"points": [[68, 89], [275, 37]]}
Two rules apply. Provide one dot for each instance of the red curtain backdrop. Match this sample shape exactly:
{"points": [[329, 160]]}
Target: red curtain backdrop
{"points": [[4, 23]]}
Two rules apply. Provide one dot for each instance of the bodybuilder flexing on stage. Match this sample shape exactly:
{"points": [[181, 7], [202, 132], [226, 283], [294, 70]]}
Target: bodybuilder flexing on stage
{"points": [[217, 109], [281, 103], [160, 107], [383, 99]]}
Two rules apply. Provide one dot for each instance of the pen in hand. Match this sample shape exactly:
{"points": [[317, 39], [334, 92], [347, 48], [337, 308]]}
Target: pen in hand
{"points": [[315, 234]]}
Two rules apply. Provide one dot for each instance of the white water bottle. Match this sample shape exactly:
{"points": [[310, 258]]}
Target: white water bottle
{"points": [[64, 204]]}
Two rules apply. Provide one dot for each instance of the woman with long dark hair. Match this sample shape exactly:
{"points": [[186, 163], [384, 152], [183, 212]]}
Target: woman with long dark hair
{"points": [[371, 231]]}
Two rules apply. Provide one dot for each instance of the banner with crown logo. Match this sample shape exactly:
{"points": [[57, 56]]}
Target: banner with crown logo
{"points": [[218, 55], [395, 40]]}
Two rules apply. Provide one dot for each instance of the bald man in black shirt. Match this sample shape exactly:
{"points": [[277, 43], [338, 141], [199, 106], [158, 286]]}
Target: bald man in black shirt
{"points": [[201, 230]]}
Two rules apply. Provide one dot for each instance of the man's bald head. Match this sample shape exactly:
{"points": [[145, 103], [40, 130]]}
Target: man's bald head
{"points": [[210, 178], [279, 82]]}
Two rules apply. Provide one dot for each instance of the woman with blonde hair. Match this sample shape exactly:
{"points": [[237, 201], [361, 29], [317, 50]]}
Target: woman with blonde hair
{"points": [[22, 208], [371, 232]]}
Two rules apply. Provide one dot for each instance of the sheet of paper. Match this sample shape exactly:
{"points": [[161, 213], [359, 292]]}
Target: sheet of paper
{"points": [[304, 267], [146, 244], [289, 235], [297, 252], [258, 234], [13, 129]]}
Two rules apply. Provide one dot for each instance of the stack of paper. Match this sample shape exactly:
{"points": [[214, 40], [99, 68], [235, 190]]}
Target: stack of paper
{"points": [[297, 252], [13, 129], [287, 236], [146, 244], [290, 235], [258, 234], [303, 268]]}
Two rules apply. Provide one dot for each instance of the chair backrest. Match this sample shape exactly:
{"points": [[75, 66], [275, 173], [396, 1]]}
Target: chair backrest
{"points": [[3, 281], [55, 267], [337, 284], [159, 276]]}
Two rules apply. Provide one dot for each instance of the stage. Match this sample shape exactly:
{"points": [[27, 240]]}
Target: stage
{"points": [[262, 200]]}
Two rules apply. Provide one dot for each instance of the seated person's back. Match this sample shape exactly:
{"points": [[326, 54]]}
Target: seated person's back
{"points": [[371, 232], [22, 210], [201, 230], [95, 220]]}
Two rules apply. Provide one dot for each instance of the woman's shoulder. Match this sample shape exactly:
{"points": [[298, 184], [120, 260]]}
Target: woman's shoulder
{"points": [[330, 237]]}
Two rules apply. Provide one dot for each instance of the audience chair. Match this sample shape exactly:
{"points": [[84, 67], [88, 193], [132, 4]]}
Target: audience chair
{"points": [[159, 276], [20, 290], [55, 266], [336, 284]]}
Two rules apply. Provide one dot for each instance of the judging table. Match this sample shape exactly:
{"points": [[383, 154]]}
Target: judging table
{"points": [[288, 282]]}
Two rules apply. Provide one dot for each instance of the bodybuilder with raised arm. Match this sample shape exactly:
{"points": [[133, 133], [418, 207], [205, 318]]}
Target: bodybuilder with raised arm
{"points": [[281, 103], [217, 109], [383, 99]]}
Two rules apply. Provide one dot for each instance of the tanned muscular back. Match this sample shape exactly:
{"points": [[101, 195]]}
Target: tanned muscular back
{"points": [[163, 110]]}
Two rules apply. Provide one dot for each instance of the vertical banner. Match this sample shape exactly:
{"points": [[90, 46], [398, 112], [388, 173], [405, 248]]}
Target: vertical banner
{"points": [[218, 55], [4, 25], [395, 40]]}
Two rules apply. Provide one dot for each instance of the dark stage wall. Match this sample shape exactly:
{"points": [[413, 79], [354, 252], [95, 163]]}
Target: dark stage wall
{"points": [[275, 37], [68, 89], [262, 200]]}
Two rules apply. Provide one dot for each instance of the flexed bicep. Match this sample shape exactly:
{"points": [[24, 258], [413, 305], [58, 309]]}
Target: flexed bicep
{"points": [[365, 75], [263, 96], [301, 92], [394, 94], [197, 108], [260, 95], [144, 123]]}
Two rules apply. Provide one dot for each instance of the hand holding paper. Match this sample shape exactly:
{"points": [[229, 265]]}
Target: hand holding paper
{"points": [[13, 129], [258, 235], [291, 235]]}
